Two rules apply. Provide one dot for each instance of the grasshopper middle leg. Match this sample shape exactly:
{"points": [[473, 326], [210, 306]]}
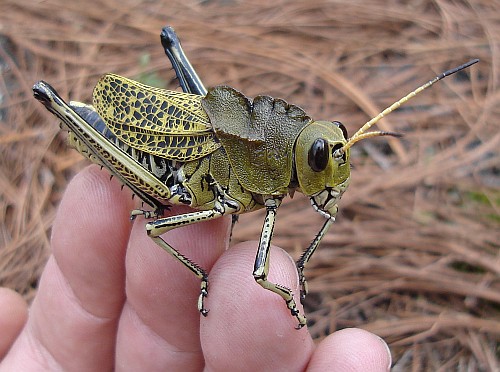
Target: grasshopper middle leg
{"points": [[261, 266]]}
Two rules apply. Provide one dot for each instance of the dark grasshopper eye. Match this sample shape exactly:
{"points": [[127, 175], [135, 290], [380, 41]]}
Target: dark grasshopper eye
{"points": [[342, 128], [317, 157]]}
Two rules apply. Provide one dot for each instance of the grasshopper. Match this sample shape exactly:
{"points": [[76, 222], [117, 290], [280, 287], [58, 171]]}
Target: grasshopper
{"points": [[216, 151]]}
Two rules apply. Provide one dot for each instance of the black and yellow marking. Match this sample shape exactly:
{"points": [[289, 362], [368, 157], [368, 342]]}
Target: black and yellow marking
{"points": [[161, 122]]}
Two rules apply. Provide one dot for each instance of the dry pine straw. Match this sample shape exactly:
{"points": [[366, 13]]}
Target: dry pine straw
{"points": [[413, 256]]}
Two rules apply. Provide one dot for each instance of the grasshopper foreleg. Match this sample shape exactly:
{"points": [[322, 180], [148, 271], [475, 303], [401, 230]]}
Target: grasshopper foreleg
{"points": [[147, 214], [155, 228], [306, 256], [261, 266]]}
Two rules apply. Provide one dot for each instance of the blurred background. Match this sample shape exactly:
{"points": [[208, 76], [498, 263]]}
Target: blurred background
{"points": [[414, 254]]}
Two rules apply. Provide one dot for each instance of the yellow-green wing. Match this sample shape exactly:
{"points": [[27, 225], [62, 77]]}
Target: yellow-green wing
{"points": [[162, 122]]}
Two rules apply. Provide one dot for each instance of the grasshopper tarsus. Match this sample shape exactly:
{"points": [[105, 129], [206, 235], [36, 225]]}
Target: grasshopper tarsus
{"points": [[146, 214], [203, 294], [302, 320], [157, 212]]}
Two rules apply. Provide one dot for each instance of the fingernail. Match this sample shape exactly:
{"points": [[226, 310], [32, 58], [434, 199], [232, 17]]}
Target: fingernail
{"points": [[388, 352]]}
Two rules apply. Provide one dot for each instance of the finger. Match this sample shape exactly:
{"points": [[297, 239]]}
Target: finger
{"points": [[74, 316], [160, 316], [351, 349], [13, 315], [248, 327], [89, 240]]}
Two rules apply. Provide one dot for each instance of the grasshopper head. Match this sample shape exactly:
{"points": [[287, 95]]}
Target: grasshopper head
{"points": [[322, 165], [322, 152]]}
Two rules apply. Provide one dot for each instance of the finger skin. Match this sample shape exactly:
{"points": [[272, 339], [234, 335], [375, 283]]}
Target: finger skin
{"points": [[351, 349], [91, 315], [161, 315], [13, 315], [250, 328], [73, 319]]}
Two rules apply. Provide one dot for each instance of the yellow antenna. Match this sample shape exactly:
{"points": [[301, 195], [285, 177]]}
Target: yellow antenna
{"points": [[360, 134]]}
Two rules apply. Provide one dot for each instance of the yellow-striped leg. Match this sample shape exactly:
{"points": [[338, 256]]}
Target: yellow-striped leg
{"points": [[155, 228], [261, 266]]}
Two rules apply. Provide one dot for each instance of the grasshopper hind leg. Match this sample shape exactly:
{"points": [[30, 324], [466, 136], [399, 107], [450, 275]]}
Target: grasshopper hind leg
{"points": [[187, 76]]}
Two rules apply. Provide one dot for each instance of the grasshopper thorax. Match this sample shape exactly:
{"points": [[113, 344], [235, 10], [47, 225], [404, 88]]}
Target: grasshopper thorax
{"points": [[321, 166]]}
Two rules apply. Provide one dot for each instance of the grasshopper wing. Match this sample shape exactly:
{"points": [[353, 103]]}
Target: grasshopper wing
{"points": [[166, 123]]}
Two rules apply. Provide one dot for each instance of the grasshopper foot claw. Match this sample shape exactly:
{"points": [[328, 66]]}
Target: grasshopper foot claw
{"points": [[203, 294], [147, 214], [296, 313]]}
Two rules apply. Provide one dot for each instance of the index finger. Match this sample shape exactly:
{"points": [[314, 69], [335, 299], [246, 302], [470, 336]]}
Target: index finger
{"points": [[81, 292]]}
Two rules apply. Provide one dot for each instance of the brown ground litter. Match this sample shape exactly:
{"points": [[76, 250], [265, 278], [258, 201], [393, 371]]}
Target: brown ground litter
{"points": [[414, 254]]}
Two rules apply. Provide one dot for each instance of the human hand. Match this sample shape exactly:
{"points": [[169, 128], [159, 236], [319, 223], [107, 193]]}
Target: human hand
{"points": [[110, 298]]}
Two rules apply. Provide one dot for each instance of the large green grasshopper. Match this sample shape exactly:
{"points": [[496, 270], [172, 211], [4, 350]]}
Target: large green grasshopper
{"points": [[216, 151]]}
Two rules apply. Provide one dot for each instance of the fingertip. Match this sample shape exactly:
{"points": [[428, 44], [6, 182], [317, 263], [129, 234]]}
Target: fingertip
{"points": [[247, 320], [351, 349], [91, 204], [13, 315], [89, 239]]}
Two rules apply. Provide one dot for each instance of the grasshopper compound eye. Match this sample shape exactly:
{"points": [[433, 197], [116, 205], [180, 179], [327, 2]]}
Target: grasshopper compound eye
{"points": [[342, 128], [317, 156]]}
